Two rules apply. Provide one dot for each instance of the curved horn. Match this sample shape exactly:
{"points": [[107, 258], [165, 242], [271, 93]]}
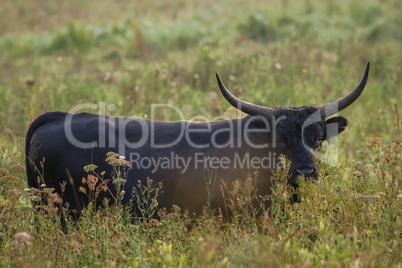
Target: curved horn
{"points": [[243, 106], [337, 106]]}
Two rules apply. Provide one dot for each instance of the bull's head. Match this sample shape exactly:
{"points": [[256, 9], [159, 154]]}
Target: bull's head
{"points": [[300, 130]]}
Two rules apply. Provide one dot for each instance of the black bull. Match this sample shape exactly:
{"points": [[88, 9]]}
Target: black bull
{"points": [[187, 157]]}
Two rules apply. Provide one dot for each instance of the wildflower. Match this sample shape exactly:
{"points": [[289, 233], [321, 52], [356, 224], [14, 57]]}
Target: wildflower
{"points": [[17, 167], [63, 186], [90, 168], [36, 198], [373, 142], [103, 185], [21, 238], [149, 182], [92, 181], [111, 155], [176, 208], [155, 222], [358, 173], [119, 181], [54, 198], [3, 171]]}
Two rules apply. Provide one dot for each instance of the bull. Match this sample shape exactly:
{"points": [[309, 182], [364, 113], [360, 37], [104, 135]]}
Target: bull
{"points": [[185, 156]]}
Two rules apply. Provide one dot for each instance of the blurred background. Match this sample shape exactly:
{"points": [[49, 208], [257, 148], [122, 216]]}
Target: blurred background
{"points": [[57, 54]]}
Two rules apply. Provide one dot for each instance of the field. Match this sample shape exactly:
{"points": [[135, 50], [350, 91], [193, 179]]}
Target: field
{"points": [[127, 55]]}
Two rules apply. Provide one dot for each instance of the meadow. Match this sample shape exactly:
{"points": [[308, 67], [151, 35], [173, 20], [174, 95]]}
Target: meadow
{"points": [[132, 54]]}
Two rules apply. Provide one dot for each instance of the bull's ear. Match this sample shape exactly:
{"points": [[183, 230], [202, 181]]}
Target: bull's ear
{"points": [[334, 126]]}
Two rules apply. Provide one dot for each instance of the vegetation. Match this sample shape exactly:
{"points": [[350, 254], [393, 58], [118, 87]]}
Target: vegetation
{"points": [[126, 55]]}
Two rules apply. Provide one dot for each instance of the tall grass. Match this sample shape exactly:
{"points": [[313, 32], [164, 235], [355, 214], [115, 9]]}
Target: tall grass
{"points": [[55, 56], [350, 216]]}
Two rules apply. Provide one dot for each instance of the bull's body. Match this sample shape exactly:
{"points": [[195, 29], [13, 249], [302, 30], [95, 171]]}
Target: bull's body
{"points": [[186, 177]]}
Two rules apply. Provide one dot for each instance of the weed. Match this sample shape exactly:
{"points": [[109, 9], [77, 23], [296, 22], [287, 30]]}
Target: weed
{"points": [[144, 199]]}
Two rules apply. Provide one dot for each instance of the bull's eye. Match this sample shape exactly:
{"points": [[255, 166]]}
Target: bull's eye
{"points": [[319, 141]]}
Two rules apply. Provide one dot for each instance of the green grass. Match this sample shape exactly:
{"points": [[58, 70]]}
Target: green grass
{"points": [[57, 55]]}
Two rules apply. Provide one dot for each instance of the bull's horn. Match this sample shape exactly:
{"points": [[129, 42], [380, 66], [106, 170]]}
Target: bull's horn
{"points": [[243, 106], [336, 106]]}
